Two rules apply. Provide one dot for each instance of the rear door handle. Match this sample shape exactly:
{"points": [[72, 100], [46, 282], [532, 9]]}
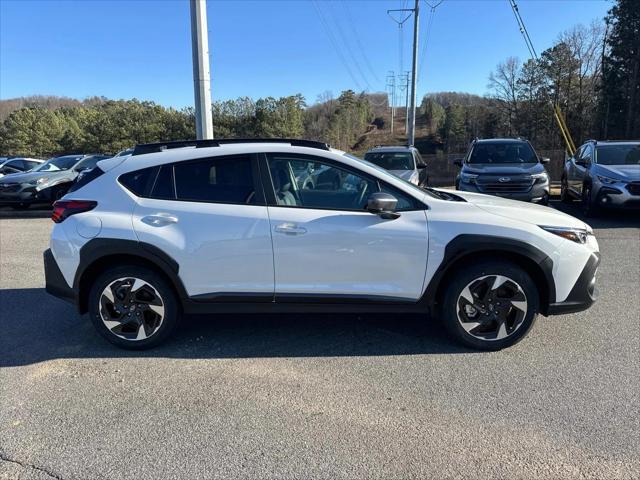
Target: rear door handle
{"points": [[290, 229], [159, 219]]}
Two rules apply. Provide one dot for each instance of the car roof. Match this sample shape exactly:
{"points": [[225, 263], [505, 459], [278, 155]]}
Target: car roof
{"points": [[501, 140], [391, 148]]}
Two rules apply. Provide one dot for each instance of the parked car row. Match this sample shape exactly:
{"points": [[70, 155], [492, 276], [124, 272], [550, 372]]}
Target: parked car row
{"points": [[602, 174]]}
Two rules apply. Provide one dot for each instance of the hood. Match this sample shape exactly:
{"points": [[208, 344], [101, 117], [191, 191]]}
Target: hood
{"points": [[30, 176], [625, 172], [403, 174], [522, 211], [503, 168]]}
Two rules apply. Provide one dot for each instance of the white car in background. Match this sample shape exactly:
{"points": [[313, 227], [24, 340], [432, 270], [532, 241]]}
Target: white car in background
{"points": [[222, 226], [402, 161]]}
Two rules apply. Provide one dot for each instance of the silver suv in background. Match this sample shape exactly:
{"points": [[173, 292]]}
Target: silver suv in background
{"points": [[603, 175], [402, 161], [9, 166], [505, 167]]}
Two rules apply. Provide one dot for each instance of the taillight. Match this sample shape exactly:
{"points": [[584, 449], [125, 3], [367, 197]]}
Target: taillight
{"points": [[65, 208]]}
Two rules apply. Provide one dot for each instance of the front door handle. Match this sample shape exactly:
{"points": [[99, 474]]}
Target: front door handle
{"points": [[290, 229], [159, 219]]}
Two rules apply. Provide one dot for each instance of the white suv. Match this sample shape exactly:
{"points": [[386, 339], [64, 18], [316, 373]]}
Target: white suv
{"points": [[222, 226]]}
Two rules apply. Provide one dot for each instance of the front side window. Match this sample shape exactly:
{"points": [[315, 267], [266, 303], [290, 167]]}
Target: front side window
{"points": [[216, 180], [310, 182]]}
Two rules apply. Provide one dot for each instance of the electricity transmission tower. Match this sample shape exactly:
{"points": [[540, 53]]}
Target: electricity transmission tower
{"points": [[391, 86], [201, 72]]}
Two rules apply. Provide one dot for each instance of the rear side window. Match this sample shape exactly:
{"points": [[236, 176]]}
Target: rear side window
{"points": [[163, 187], [216, 180], [137, 182], [85, 178]]}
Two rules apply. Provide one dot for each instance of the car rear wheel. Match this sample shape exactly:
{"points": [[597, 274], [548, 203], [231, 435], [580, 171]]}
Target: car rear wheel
{"points": [[133, 307], [491, 305]]}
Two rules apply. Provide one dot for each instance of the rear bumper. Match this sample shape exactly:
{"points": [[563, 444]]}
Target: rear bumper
{"points": [[55, 284], [583, 294]]}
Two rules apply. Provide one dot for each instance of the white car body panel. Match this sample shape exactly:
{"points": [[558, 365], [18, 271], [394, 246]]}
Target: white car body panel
{"points": [[220, 248], [349, 253]]}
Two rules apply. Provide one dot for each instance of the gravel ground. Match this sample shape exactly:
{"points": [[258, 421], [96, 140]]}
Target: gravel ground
{"points": [[322, 396]]}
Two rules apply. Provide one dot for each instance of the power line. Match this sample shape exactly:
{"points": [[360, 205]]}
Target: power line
{"points": [[332, 39], [427, 37], [356, 34], [347, 45], [523, 29]]}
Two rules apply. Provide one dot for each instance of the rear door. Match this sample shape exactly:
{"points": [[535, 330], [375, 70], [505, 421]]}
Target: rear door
{"points": [[210, 216], [327, 246]]}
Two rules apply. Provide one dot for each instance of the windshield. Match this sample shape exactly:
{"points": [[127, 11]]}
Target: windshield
{"points": [[618, 154], [391, 160], [59, 163], [502, 152]]}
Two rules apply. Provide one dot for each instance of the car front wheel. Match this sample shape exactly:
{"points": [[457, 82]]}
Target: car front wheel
{"points": [[491, 305], [133, 307]]}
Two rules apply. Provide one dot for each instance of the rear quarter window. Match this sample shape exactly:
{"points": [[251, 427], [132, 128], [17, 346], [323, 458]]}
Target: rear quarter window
{"points": [[138, 182]]}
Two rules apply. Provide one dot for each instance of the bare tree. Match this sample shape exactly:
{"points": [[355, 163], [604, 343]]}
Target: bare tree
{"points": [[504, 84]]}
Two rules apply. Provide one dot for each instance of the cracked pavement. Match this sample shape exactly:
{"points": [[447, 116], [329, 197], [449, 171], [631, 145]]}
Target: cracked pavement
{"points": [[318, 396]]}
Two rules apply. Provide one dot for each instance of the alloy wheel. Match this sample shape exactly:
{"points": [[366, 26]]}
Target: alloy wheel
{"points": [[131, 308], [492, 307]]}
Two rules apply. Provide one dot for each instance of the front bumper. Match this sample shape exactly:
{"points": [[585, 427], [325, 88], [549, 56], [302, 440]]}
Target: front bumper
{"points": [[584, 292], [616, 195], [55, 284], [537, 192], [25, 194]]}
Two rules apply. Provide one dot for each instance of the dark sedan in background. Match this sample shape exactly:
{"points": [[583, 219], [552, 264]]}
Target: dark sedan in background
{"points": [[45, 183]]}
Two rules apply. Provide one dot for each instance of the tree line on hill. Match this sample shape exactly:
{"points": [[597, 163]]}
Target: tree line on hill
{"points": [[592, 72]]}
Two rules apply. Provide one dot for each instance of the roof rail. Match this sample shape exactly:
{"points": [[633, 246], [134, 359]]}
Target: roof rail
{"points": [[161, 146]]}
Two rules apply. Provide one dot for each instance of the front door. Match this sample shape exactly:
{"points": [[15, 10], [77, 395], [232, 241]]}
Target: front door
{"points": [[326, 245]]}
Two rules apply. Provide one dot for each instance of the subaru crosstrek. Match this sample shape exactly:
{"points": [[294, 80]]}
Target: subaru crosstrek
{"points": [[603, 175], [505, 167], [223, 226]]}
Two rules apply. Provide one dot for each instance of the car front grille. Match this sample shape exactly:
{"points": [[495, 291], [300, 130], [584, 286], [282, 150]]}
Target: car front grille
{"points": [[634, 188], [505, 184]]}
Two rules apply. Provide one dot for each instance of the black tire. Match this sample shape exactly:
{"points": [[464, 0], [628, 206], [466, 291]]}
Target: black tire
{"points": [[169, 301], [589, 208], [457, 283], [545, 200], [565, 196]]}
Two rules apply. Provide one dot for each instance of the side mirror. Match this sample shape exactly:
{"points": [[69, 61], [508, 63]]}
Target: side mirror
{"points": [[581, 161], [545, 160], [383, 204], [458, 162], [421, 166]]}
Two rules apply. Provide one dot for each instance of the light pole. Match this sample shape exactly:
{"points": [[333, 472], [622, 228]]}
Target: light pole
{"points": [[201, 72]]}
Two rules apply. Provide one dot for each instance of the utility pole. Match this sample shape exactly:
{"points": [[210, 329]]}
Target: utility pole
{"points": [[201, 72], [411, 118], [411, 137], [406, 103], [391, 84]]}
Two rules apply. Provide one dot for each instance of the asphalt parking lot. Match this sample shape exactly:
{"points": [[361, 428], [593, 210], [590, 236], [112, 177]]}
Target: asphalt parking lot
{"points": [[318, 396]]}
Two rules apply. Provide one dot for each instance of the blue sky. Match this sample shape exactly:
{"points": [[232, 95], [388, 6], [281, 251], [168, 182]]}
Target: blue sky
{"points": [[142, 48]]}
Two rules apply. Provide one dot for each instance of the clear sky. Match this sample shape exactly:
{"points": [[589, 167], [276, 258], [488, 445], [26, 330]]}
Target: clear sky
{"points": [[142, 48]]}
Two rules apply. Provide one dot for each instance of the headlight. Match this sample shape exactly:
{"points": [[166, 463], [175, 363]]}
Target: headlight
{"points": [[38, 181], [468, 177], [578, 235], [540, 177], [607, 180]]}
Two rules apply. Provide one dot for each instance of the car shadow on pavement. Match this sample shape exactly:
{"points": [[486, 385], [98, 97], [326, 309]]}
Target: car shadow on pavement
{"points": [[36, 327], [604, 219]]}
